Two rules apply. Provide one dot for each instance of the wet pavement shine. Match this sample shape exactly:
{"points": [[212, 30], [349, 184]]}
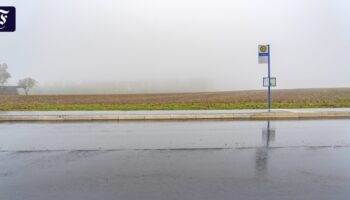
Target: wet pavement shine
{"points": [[300, 159]]}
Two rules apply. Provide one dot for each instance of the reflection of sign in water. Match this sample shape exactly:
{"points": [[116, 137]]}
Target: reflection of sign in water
{"points": [[268, 135], [262, 153], [7, 19], [273, 81]]}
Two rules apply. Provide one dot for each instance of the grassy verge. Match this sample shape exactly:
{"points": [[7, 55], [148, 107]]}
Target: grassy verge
{"points": [[90, 107]]}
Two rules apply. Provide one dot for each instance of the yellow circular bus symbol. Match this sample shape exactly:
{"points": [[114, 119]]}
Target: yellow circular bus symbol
{"points": [[263, 49]]}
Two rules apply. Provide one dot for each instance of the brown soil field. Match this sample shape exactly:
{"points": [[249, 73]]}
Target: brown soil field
{"points": [[339, 97]]}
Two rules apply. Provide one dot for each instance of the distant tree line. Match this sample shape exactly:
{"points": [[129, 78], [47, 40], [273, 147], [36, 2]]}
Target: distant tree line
{"points": [[27, 83]]}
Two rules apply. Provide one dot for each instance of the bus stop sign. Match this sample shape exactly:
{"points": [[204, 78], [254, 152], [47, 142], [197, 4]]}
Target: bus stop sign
{"points": [[263, 54]]}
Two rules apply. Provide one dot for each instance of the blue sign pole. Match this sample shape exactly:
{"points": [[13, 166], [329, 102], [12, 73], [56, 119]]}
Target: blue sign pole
{"points": [[269, 88]]}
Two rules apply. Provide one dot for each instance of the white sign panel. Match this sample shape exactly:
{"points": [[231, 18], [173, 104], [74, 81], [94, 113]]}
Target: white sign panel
{"points": [[273, 82], [263, 54]]}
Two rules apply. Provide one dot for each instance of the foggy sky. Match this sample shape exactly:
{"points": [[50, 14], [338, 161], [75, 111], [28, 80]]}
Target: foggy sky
{"points": [[180, 40]]}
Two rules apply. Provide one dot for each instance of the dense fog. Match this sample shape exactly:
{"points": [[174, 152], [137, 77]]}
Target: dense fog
{"points": [[130, 46]]}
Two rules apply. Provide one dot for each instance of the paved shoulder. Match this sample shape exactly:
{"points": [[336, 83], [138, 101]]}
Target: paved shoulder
{"points": [[174, 115]]}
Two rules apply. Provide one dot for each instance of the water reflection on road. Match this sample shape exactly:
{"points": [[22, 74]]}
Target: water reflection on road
{"points": [[171, 135], [261, 162], [176, 160]]}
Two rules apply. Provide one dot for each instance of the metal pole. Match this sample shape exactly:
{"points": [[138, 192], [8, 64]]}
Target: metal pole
{"points": [[269, 89]]}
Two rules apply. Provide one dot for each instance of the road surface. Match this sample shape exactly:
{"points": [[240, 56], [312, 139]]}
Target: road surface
{"points": [[302, 159]]}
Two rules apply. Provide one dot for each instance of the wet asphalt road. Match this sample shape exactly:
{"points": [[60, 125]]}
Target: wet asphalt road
{"points": [[302, 159]]}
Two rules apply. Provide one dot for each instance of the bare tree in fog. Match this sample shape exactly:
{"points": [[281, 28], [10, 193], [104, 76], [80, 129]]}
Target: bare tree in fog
{"points": [[27, 84], [4, 74]]}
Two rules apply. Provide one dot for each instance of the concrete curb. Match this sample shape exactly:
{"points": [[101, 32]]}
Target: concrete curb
{"points": [[233, 116]]}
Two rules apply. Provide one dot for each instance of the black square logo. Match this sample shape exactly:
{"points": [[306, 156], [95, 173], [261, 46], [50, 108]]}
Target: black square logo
{"points": [[7, 19]]}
